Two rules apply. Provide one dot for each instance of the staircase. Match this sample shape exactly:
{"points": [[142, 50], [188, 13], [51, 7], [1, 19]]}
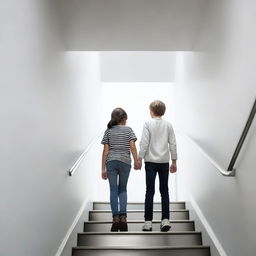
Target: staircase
{"points": [[181, 240]]}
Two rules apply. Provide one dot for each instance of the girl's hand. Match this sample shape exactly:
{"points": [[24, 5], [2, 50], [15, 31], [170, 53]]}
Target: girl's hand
{"points": [[173, 168], [104, 175], [137, 164]]}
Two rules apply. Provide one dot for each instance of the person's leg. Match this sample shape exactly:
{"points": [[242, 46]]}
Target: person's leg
{"points": [[163, 172], [124, 171], [150, 190], [112, 173]]}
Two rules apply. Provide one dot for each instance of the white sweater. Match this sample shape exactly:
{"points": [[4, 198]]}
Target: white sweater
{"points": [[158, 141]]}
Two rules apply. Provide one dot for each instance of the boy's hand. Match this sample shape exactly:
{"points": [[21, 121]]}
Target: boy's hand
{"points": [[173, 168], [104, 175]]}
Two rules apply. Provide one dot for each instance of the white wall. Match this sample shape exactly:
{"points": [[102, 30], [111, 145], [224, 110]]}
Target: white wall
{"points": [[49, 101], [135, 99], [137, 66], [46, 121], [134, 25], [216, 89]]}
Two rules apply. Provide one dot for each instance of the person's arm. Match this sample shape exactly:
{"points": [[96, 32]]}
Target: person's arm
{"points": [[134, 154], [173, 150], [144, 143], [104, 159], [173, 167]]}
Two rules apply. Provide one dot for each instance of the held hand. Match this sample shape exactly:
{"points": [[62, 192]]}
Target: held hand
{"points": [[173, 168], [137, 165], [104, 175], [140, 163]]}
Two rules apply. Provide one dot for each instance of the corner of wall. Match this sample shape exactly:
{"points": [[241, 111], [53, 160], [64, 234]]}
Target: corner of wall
{"points": [[70, 239], [201, 223]]}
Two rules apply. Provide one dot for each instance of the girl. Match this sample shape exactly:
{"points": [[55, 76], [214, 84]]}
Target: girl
{"points": [[118, 141]]}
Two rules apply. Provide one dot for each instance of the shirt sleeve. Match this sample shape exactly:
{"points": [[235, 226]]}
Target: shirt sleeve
{"points": [[132, 135], [172, 144], [105, 139], [144, 142]]}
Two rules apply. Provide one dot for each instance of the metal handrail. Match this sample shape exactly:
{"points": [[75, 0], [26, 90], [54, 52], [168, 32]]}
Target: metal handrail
{"points": [[231, 170], [209, 158], [243, 136], [75, 166]]}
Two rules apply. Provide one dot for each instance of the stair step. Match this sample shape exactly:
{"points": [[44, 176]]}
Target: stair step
{"points": [[136, 225], [100, 215], [139, 238], [146, 251], [139, 206]]}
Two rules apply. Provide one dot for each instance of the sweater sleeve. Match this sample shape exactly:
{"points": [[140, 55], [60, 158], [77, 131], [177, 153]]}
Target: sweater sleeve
{"points": [[172, 144], [144, 142]]}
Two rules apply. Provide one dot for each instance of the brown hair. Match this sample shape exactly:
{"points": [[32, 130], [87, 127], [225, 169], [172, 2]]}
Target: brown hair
{"points": [[157, 107], [118, 115]]}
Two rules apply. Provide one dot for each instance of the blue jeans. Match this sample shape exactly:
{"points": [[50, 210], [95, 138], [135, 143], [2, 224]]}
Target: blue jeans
{"points": [[118, 174], [163, 172]]}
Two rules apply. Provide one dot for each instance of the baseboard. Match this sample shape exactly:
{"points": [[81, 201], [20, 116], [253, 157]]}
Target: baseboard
{"points": [[69, 241], [209, 237]]}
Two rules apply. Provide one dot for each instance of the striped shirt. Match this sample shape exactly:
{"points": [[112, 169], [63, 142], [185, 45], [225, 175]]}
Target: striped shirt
{"points": [[118, 138]]}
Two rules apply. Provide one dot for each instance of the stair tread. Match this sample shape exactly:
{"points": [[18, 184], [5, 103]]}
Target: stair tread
{"points": [[178, 210], [141, 233], [141, 247], [137, 221], [106, 202]]}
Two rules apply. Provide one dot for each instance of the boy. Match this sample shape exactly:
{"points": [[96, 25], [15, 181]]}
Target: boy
{"points": [[157, 142]]}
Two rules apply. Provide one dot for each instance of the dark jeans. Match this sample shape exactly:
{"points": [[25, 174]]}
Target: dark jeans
{"points": [[163, 172], [118, 174]]}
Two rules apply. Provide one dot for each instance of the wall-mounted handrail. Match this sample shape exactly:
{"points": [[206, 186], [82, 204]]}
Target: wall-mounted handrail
{"points": [[231, 170], [75, 166], [208, 157], [243, 136]]}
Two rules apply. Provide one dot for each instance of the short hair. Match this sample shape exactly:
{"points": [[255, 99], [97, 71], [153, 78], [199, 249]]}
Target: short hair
{"points": [[157, 107]]}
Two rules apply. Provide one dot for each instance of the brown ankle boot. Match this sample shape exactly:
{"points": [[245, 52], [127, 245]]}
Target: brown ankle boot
{"points": [[115, 225], [123, 224]]}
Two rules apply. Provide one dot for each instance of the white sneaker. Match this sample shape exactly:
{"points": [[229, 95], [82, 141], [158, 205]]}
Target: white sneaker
{"points": [[147, 226], [165, 225]]}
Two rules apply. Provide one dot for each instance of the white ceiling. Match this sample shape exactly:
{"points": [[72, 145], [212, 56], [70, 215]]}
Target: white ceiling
{"points": [[132, 25]]}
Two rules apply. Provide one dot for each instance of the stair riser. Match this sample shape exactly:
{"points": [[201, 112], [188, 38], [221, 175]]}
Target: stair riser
{"points": [[139, 240], [136, 206], [105, 216], [170, 252], [105, 227]]}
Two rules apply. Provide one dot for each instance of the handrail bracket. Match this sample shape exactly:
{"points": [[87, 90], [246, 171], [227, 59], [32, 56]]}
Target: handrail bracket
{"points": [[230, 173]]}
